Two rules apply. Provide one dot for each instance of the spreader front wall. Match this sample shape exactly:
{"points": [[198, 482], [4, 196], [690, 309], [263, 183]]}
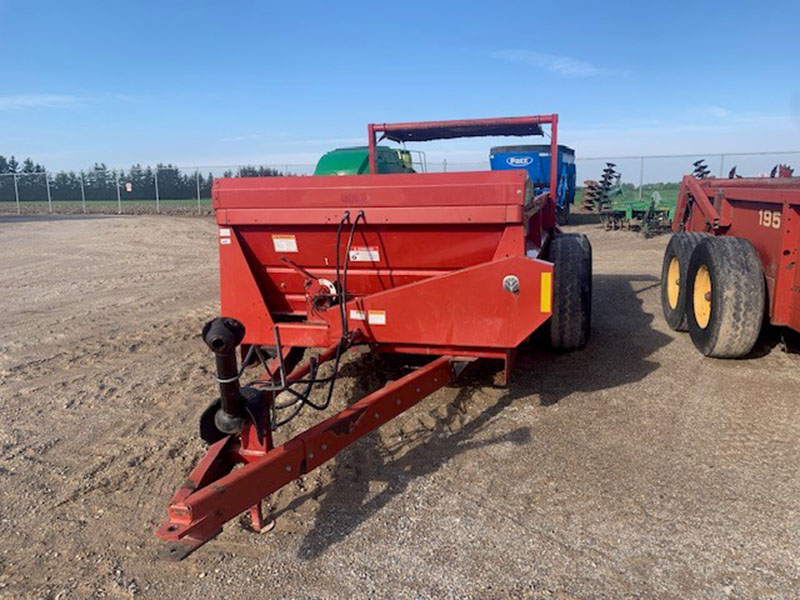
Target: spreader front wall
{"points": [[381, 258], [415, 227]]}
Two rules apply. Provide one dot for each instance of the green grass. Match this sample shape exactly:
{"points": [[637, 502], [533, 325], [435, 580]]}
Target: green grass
{"points": [[108, 206], [668, 195]]}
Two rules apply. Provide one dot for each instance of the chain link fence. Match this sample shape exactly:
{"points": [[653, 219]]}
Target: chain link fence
{"points": [[187, 190]]}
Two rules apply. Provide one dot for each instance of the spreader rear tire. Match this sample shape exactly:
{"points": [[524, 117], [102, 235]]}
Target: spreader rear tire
{"points": [[571, 255], [725, 297], [673, 277]]}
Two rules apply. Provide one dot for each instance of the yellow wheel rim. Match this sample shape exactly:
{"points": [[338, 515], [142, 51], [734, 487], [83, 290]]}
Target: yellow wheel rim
{"points": [[702, 296], [673, 282]]}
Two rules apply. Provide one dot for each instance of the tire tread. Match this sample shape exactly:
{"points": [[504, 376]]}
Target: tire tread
{"points": [[737, 305], [572, 291], [681, 245]]}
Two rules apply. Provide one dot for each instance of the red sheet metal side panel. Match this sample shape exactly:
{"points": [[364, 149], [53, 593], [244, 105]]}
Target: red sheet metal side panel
{"points": [[398, 255], [467, 308], [415, 215], [401, 247], [754, 182], [482, 188], [765, 212], [788, 301], [766, 240], [241, 297]]}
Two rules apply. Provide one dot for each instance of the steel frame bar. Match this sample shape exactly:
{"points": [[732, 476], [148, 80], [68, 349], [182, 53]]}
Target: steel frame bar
{"points": [[395, 215], [216, 493]]}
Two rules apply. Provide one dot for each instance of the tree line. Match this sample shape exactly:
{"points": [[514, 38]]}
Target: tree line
{"points": [[100, 183]]}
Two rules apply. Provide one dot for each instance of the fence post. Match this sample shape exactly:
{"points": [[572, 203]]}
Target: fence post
{"points": [[721, 165], [197, 181], [49, 197], [641, 177], [83, 194], [286, 171], [444, 166], [158, 198], [16, 191], [119, 198]]}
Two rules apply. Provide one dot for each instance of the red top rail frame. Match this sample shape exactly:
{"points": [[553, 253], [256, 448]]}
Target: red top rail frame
{"points": [[503, 126]]}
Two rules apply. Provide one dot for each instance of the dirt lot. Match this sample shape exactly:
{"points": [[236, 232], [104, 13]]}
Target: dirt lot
{"points": [[634, 468]]}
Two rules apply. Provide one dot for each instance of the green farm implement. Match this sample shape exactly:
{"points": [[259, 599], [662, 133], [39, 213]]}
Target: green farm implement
{"points": [[621, 208]]}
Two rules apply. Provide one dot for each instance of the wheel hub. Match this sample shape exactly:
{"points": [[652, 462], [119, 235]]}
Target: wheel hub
{"points": [[702, 297], [673, 282]]}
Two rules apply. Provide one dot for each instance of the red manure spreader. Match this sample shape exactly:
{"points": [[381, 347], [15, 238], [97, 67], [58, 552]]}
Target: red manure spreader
{"points": [[733, 261], [453, 266]]}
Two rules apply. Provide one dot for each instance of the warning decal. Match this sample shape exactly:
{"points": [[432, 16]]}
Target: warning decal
{"points": [[376, 317], [373, 317], [284, 243], [365, 254]]}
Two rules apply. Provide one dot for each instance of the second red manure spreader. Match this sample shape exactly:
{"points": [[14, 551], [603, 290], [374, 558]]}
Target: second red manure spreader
{"points": [[733, 261]]}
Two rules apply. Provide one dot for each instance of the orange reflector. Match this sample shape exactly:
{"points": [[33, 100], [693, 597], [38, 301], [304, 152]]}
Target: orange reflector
{"points": [[546, 287]]}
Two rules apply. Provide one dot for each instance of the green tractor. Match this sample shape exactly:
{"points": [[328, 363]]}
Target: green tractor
{"points": [[355, 161]]}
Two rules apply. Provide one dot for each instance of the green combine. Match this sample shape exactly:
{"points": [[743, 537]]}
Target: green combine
{"points": [[355, 161]]}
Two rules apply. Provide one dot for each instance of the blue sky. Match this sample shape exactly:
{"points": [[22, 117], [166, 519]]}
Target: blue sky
{"points": [[213, 83]]}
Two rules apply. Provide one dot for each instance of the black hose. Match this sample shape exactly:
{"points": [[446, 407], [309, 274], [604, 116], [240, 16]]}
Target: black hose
{"points": [[302, 399], [344, 341]]}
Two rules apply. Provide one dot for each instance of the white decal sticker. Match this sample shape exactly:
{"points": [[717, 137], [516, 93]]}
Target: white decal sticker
{"points": [[284, 243], [376, 317], [365, 254], [224, 232], [519, 161], [358, 315], [224, 241]]}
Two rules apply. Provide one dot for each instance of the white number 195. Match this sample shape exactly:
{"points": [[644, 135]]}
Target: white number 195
{"points": [[769, 218]]}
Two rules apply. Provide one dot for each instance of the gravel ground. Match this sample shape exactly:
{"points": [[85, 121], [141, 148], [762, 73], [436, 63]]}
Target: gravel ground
{"points": [[634, 468]]}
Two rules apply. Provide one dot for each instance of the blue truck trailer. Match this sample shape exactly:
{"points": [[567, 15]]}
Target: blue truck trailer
{"points": [[536, 160]]}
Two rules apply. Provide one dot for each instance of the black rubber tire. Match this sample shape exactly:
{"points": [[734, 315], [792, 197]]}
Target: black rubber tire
{"points": [[680, 246], [571, 255], [737, 297]]}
